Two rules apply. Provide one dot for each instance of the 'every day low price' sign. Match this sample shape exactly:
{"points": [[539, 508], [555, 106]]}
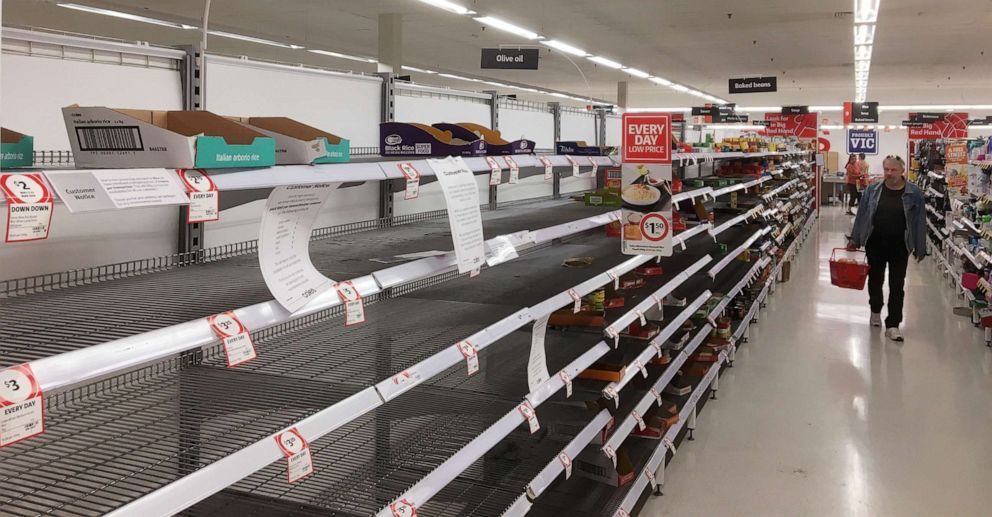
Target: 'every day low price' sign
{"points": [[647, 138]]}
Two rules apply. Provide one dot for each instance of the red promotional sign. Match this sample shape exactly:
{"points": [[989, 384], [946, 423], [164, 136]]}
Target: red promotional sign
{"points": [[647, 138], [954, 125], [847, 112], [802, 126]]}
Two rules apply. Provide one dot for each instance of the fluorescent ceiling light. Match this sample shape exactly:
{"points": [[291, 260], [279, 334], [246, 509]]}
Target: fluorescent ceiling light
{"points": [[696, 93], [494, 83], [562, 95], [453, 76], [451, 7], [679, 87], [127, 16], [342, 56], [252, 39], [935, 107], [506, 26], [661, 81], [826, 108], [862, 66], [865, 11], [637, 73], [565, 47], [605, 62], [864, 34], [862, 52], [734, 126], [660, 110], [760, 108], [415, 69]]}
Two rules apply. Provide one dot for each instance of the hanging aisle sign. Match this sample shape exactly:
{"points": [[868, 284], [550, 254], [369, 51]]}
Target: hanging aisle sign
{"points": [[29, 207], [862, 141], [753, 85], [510, 58], [22, 405], [646, 189], [204, 199], [936, 126], [860, 113]]}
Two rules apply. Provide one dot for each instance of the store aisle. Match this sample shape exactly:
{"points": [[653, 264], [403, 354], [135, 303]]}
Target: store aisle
{"points": [[822, 416]]}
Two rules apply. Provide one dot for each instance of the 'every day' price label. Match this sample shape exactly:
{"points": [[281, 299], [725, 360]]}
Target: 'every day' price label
{"points": [[299, 463], [203, 196], [354, 304], [412, 176], [236, 338], [22, 405]]}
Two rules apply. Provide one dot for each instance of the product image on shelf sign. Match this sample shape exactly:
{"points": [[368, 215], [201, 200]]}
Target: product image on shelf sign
{"points": [[862, 141], [647, 138], [646, 227]]}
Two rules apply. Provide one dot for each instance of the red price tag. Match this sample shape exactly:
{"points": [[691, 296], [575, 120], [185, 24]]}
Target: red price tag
{"points": [[566, 462], [528, 412], [548, 168], [514, 169], [22, 405], [495, 171], [575, 165], [568, 383], [204, 200], [354, 304], [295, 448], [611, 454], [29, 207], [403, 508], [412, 176], [471, 356], [235, 336]]}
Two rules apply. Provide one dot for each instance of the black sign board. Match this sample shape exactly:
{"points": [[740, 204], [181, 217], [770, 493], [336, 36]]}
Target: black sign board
{"points": [[864, 112], [987, 121], [510, 58], [926, 117], [795, 110], [914, 123], [704, 111], [761, 123], [719, 114], [754, 85], [736, 119]]}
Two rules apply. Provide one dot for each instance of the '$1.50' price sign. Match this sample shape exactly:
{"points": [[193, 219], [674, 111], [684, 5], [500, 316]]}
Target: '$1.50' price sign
{"points": [[22, 411]]}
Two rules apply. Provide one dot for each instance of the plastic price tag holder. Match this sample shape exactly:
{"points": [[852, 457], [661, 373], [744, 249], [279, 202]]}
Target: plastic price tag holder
{"points": [[612, 394], [611, 454], [656, 395], [354, 304], [514, 169], [471, 356], [575, 165], [640, 317], [639, 366], [204, 200], [299, 463], [22, 405], [595, 166], [566, 463], [568, 383], [649, 473], [548, 168], [637, 418], [412, 176], [528, 413], [237, 340], [495, 171], [576, 301]]}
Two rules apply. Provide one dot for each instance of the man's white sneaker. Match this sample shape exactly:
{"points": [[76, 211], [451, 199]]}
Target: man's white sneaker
{"points": [[876, 319], [893, 334]]}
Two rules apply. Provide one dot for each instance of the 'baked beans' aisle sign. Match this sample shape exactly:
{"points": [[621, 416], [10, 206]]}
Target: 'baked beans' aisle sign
{"points": [[646, 188]]}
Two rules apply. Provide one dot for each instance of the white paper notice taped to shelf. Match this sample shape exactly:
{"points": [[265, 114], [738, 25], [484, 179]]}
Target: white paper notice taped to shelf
{"points": [[461, 195], [299, 464], [284, 244], [499, 250], [204, 199], [29, 207], [131, 188], [22, 411], [537, 365]]}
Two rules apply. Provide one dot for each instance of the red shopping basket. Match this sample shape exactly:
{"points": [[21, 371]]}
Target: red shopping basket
{"points": [[850, 271]]}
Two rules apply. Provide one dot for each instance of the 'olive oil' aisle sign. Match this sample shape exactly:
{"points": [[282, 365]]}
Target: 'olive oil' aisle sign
{"points": [[647, 184]]}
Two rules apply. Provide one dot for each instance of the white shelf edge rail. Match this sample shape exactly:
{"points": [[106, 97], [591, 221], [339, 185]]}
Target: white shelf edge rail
{"points": [[657, 459], [729, 297], [623, 430], [750, 214], [554, 468], [732, 255], [646, 304], [631, 371], [422, 492]]}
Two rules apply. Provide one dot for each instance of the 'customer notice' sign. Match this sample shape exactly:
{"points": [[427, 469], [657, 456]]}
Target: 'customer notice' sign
{"points": [[754, 85], [510, 58]]}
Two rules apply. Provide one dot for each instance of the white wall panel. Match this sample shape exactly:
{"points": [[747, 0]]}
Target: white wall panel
{"points": [[431, 110], [336, 103], [613, 128], [538, 126], [582, 183], [432, 198], [78, 241], [578, 126], [35, 89], [528, 188], [241, 223]]}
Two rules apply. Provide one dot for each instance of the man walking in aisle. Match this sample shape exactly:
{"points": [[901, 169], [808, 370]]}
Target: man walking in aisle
{"points": [[891, 225]]}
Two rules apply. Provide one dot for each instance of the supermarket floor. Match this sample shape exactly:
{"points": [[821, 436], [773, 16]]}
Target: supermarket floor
{"points": [[822, 416]]}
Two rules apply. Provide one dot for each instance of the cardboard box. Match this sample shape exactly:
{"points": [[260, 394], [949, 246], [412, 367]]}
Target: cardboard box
{"points": [[16, 150], [298, 143], [121, 138]]}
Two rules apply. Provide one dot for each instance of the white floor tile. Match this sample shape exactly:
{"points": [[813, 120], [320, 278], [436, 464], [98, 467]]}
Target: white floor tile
{"points": [[822, 416]]}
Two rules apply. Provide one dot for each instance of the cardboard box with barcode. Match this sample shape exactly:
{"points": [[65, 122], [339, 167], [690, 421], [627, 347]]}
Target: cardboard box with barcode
{"points": [[16, 150], [103, 137], [298, 143]]}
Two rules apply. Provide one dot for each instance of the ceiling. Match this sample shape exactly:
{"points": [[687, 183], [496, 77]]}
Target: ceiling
{"points": [[924, 53]]}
